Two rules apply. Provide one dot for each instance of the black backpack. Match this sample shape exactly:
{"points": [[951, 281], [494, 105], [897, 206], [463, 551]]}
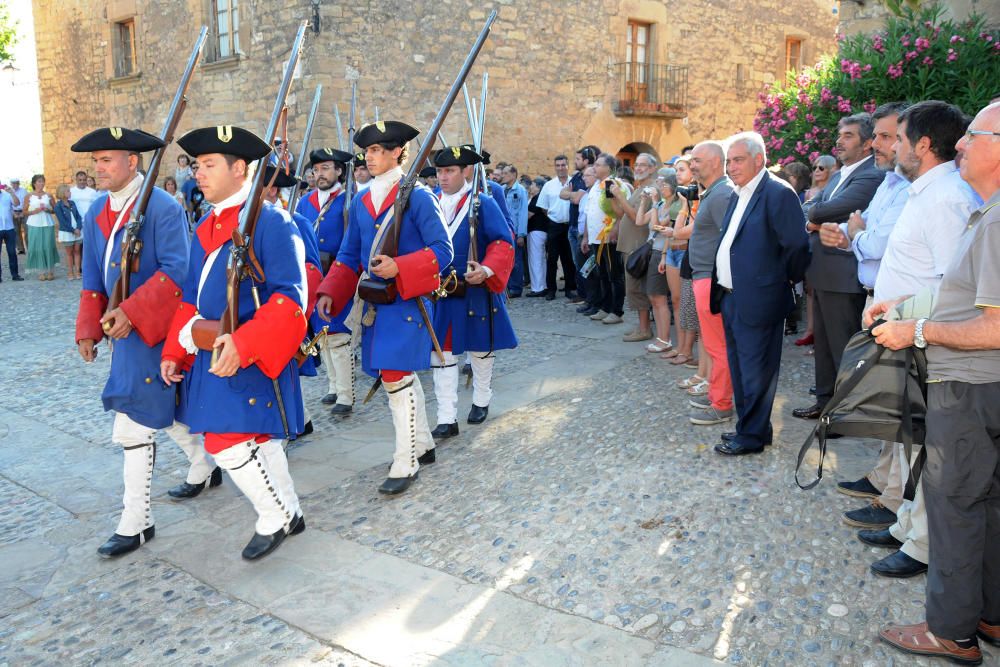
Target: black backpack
{"points": [[881, 394]]}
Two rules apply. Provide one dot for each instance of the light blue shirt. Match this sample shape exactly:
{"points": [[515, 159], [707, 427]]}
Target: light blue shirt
{"points": [[6, 211], [880, 217], [517, 206]]}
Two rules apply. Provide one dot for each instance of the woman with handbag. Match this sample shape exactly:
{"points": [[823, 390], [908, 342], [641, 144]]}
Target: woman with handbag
{"points": [[70, 230], [42, 253], [656, 206]]}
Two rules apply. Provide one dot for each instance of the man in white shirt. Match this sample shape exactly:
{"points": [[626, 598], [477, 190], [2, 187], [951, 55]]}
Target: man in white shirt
{"points": [[81, 195], [7, 231], [921, 246], [764, 250], [557, 243]]}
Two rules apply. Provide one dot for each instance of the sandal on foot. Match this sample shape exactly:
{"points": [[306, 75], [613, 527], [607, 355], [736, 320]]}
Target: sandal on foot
{"points": [[680, 359], [659, 345], [919, 640], [687, 383]]}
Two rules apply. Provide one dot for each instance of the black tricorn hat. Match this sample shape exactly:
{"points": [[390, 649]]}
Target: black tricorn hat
{"points": [[282, 180], [457, 156], [117, 139], [329, 155], [385, 132], [428, 172], [225, 139], [359, 161]]}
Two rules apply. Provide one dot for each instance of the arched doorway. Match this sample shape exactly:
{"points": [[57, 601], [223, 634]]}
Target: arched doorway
{"points": [[629, 152]]}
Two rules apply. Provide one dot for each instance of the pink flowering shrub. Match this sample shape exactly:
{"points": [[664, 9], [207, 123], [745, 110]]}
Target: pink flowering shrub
{"points": [[916, 56]]}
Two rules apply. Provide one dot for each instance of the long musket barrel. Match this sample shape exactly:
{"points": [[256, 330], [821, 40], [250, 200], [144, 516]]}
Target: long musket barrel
{"points": [[300, 163], [131, 246], [349, 180], [403, 198]]}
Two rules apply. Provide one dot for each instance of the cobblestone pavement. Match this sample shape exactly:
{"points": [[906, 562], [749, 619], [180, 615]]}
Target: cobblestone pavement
{"points": [[586, 522]]}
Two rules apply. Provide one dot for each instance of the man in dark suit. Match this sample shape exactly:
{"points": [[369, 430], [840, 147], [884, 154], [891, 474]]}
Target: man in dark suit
{"points": [[764, 250], [833, 274]]}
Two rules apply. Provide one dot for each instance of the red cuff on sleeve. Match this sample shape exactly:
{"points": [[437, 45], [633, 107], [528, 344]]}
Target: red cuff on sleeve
{"points": [[150, 307], [313, 278], [271, 338], [500, 259], [340, 285], [172, 348], [419, 273], [88, 317]]}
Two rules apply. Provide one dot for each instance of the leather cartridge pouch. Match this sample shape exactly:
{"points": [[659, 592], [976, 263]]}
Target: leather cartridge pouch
{"points": [[377, 292], [204, 333]]}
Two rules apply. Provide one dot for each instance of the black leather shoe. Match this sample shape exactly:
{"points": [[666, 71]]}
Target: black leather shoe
{"points": [[185, 491], [298, 525], [445, 431], [261, 545], [477, 415], [812, 391], [119, 545], [535, 295], [874, 517], [729, 436], [18, 279], [812, 412], [467, 370], [859, 489], [584, 308], [514, 295], [329, 399], [898, 566], [882, 539], [395, 485], [427, 458], [307, 429], [341, 410], [732, 448], [550, 296]]}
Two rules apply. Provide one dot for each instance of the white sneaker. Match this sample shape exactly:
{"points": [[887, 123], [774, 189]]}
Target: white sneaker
{"points": [[613, 319], [599, 315]]}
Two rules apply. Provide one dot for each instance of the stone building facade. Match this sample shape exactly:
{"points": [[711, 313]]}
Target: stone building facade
{"points": [[556, 76], [857, 16]]}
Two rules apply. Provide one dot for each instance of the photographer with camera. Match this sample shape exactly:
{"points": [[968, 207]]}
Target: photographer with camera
{"points": [[602, 235], [631, 235]]}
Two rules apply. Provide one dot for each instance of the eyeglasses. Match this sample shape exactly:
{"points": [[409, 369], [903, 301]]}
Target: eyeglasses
{"points": [[969, 134], [819, 167]]}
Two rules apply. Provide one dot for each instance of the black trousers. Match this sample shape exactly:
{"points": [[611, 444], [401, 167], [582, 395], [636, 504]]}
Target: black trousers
{"points": [[961, 482], [557, 249], [612, 276], [837, 317]]}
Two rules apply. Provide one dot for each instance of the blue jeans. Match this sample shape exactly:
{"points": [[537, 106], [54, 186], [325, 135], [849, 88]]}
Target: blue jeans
{"points": [[578, 260], [9, 237], [515, 283]]}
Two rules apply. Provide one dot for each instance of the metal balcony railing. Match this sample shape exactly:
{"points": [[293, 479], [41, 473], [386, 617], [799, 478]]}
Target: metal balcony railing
{"points": [[646, 89]]}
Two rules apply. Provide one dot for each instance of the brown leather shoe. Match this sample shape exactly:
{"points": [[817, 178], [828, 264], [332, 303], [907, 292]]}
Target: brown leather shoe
{"points": [[990, 633], [919, 640]]}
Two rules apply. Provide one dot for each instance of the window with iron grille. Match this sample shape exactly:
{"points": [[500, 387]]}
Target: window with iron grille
{"points": [[123, 48]]}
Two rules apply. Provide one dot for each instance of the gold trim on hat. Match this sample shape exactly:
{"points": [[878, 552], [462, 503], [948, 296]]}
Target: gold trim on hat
{"points": [[381, 126], [116, 132], [328, 151], [225, 133], [456, 151]]}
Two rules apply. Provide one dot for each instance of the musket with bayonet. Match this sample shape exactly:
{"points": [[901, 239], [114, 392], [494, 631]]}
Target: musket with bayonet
{"points": [[132, 243], [349, 181], [390, 241], [300, 163], [243, 263]]}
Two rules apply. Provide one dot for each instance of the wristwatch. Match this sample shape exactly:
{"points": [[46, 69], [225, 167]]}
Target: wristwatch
{"points": [[918, 334]]}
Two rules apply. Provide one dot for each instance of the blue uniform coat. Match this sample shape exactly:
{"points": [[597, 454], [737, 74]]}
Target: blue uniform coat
{"points": [[329, 236]]}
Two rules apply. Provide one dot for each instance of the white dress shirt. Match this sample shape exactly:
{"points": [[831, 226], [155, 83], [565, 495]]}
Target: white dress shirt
{"points": [[722, 267], [845, 173], [556, 208], [926, 234]]}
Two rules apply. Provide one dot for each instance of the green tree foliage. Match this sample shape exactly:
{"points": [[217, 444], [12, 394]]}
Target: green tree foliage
{"points": [[8, 33]]}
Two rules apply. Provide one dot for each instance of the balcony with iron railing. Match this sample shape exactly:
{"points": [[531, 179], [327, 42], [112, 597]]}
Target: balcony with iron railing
{"points": [[646, 89]]}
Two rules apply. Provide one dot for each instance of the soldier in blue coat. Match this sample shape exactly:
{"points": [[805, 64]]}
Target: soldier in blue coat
{"points": [[136, 327], [394, 336], [242, 387], [314, 274], [325, 209], [473, 317]]}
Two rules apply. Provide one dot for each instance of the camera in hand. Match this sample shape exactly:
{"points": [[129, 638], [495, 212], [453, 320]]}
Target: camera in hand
{"points": [[607, 188], [689, 192]]}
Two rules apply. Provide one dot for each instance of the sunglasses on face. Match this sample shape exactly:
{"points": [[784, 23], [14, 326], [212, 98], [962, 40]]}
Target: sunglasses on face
{"points": [[819, 168]]}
